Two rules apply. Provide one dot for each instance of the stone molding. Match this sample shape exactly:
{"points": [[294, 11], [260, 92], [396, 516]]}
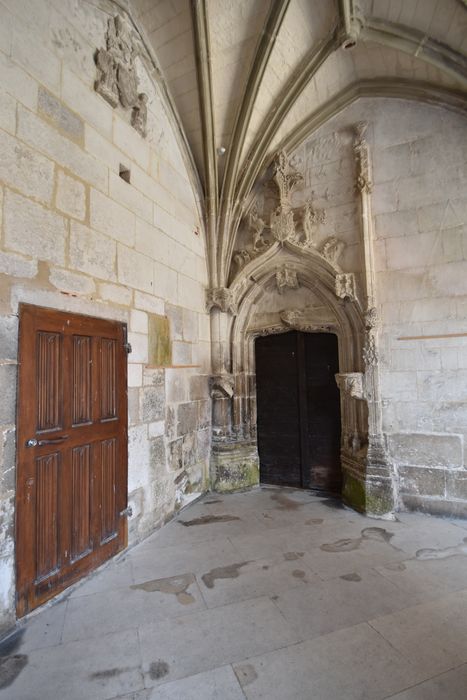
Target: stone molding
{"points": [[221, 298]]}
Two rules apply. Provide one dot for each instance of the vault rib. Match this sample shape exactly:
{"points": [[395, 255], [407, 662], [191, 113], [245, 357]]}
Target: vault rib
{"points": [[258, 68], [206, 104]]}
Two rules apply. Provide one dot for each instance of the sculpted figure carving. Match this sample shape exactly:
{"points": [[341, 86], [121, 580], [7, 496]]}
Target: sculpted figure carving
{"points": [[286, 278], [116, 74], [332, 250], [257, 226]]}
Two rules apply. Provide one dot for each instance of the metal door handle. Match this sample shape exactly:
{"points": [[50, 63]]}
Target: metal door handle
{"points": [[32, 442]]}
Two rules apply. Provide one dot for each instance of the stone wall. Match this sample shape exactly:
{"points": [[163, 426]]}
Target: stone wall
{"points": [[419, 204], [76, 236]]}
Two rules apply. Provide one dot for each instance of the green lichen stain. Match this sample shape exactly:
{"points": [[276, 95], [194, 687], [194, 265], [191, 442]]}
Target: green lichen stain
{"points": [[160, 347], [236, 477], [353, 493], [367, 498]]}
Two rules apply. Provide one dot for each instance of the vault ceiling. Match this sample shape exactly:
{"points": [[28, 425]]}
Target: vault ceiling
{"points": [[251, 76]]}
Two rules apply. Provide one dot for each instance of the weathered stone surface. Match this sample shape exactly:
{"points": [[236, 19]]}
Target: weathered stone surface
{"points": [[8, 337], [175, 454], [175, 316], [25, 169], [152, 403], [157, 454], [233, 466], [71, 196], [425, 450], [190, 450], [30, 228], [421, 481], [199, 387], [204, 413], [92, 252], [8, 403], [435, 506], [60, 116], [187, 414], [456, 484]]}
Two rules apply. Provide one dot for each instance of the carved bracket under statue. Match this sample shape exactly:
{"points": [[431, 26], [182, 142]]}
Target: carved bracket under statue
{"points": [[221, 298], [351, 384], [222, 386], [116, 74]]}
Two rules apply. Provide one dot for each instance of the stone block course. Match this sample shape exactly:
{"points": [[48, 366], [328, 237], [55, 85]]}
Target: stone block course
{"points": [[39, 134], [26, 170], [88, 104], [60, 116], [18, 83], [7, 112], [91, 252], [427, 450], [71, 196], [134, 269], [111, 218], [30, 227], [422, 481], [8, 374]]}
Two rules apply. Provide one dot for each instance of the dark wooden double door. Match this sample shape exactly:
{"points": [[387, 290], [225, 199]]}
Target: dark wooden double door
{"points": [[71, 450], [298, 406]]}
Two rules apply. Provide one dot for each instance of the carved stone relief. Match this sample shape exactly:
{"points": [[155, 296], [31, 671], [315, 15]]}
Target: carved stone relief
{"points": [[221, 298], [304, 320], [116, 75], [362, 159], [370, 353], [286, 278], [346, 286], [351, 384], [298, 226], [222, 386]]}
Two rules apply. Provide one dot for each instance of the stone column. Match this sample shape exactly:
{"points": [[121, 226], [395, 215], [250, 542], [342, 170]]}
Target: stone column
{"points": [[234, 457], [375, 494]]}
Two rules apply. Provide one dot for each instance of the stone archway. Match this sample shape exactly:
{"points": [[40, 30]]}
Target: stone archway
{"points": [[269, 275]]}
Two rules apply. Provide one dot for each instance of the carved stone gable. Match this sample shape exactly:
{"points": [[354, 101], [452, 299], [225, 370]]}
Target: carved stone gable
{"points": [[116, 74]]}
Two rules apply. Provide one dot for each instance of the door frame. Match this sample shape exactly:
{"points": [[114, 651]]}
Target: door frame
{"points": [[120, 542]]}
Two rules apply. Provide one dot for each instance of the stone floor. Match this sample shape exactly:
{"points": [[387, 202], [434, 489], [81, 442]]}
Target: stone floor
{"points": [[274, 594]]}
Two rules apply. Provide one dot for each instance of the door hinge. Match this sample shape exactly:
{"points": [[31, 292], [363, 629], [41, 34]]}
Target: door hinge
{"points": [[128, 511], [127, 347]]}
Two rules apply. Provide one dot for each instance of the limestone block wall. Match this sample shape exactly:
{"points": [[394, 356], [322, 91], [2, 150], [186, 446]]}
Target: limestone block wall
{"points": [[419, 202], [74, 235]]}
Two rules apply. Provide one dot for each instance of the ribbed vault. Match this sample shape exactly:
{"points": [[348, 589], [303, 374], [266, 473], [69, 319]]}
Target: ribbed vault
{"points": [[247, 77]]}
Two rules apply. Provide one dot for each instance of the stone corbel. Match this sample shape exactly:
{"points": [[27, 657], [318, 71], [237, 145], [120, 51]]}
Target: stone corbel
{"points": [[353, 21], [222, 386], [351, 384], [221, 298]]}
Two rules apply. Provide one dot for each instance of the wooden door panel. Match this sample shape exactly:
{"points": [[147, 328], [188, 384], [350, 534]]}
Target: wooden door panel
{"points": [[72, 474], [47, 559], [278, 409], [298, 410]]}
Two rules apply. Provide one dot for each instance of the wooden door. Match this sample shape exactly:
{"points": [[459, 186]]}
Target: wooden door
{"points": [[298, 407], [71, 448]]}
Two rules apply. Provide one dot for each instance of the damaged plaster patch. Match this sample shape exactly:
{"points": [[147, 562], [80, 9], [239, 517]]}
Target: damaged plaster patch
{"points": [[231, 571], [174, 585], [208, 519], [378, 534], [443, 553], [246, 674], [158, 669]]}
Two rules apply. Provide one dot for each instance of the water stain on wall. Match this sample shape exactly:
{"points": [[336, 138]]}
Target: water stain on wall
{"points": [[158, 669]]}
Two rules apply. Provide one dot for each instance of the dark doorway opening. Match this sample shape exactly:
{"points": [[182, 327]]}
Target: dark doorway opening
{"points": [[298, 406]]}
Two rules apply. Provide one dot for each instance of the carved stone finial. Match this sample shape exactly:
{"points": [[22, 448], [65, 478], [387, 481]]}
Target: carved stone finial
{"points": [[116, 74], [346, 286], [282, 222], [331, 250], [220, 298], [286, 278]]}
